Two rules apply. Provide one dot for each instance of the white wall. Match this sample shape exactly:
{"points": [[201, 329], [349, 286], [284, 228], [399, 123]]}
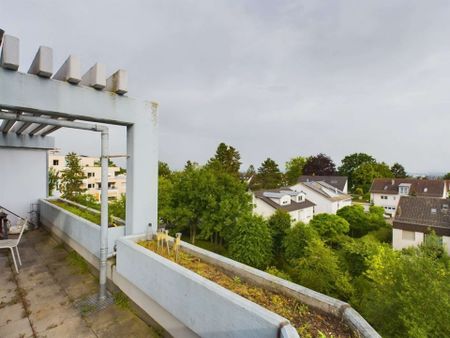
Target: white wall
{"points": [[23, 175], [399, 243], [390, 202], [323, 205]]}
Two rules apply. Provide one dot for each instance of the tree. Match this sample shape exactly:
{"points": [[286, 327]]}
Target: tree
{"points": [[71, 180], [361, 222], [294, 169], [52, 181], [398, 171], [351, 162], [117, 207], [279, 224], [319, 270], [407, 295], [446, 176], [319, 165], [296, 240], [367, 172], [329, 226], [268, 176], [165, 192], [208, 200], [99, 163], [226, 159], [251, 243], [163, 169]]}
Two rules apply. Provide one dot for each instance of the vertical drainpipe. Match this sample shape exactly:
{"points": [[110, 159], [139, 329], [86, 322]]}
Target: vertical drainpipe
{"points": [[104, 214]]}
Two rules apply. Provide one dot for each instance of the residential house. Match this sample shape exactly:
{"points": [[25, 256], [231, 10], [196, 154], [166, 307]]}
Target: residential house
{"points": [[327, 198], [386, 192], [339, 182], [92, 171], [267, 202], [416, 217]]}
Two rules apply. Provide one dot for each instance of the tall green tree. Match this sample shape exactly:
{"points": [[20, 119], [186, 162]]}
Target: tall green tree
{"points": [[165, 195], [350, 163], [163, 169], [71, 180], [297, 239], [319, 165], [398, 171], [226, 159], [279, 224], [407, 295], [251, 242], [294, 169], [269, 176], [367, 172], [52, 181], [361, 222]]}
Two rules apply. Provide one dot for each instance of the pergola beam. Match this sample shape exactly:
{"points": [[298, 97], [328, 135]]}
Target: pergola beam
{"points": [[6, 125]]}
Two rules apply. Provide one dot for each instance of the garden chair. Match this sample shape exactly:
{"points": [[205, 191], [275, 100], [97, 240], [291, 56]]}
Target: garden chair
{"points": [[14, 243]]}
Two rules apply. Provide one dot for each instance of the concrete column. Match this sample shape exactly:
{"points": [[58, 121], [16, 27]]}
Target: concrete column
{"points": [[142, 173]]}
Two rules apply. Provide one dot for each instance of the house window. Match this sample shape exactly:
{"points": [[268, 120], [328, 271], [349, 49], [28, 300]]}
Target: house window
{"points": [[384, 197], [408, 235], [91, 174], [90, 186], [55, 162]]}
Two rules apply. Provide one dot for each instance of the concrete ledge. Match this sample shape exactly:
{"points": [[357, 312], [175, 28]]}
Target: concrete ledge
{"points": [[307, 296], [12, 140], [205, 307], [75, 228]]}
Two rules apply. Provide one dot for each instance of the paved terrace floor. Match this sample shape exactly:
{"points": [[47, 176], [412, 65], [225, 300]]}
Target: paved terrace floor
{"points": [[40, 300]]}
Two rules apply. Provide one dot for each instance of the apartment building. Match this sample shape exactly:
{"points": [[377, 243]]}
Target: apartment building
{"points": [[386, 192], [92, 170]]}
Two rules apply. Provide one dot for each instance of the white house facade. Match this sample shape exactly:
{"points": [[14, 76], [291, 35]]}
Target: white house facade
{"points": [[267, 202], [327, 198], [386, 192], [416, 217]]}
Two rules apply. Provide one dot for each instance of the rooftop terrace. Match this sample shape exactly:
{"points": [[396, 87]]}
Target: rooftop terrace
{"points": [[41, 300]]}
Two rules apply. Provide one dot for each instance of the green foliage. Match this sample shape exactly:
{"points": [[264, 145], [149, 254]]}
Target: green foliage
{"points": [[274, 271], [361, 222], [296, 240], [398, 171], [251, 242], [163, 169], [364, 175], [99, 163], [226, 160], [87, 200], [268, 176], [77, 262], [357, 253], [117, 207], [279, 224], [206, 199], [352, 162], [165, 190], [359, 191], [319, 269], [72, 177], [329, 226], [408, 295], [446, 176], [319, 165], [52, 181], [294, 169]]}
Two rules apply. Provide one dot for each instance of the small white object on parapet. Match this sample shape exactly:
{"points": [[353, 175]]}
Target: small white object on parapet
{"points": [[9, 58], [118, 82], [95, 77], [42, 64], [70, 71]]}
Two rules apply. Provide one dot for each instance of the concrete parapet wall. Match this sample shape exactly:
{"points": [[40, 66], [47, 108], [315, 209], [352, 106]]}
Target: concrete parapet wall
{"points": [[85, 233], [205, 307], [307, 296]]}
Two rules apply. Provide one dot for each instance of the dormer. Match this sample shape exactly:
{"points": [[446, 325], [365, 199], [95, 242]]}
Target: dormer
{"points": [[404, 188]]}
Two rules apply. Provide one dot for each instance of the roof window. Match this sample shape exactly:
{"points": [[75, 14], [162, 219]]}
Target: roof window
{"points": [[433, 211]]}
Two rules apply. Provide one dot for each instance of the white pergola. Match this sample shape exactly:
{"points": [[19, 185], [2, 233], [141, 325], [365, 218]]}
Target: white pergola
{"points": [[37, 103]]}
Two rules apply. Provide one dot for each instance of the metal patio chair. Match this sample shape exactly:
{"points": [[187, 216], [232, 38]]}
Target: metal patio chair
{"points": [[14, 243]]}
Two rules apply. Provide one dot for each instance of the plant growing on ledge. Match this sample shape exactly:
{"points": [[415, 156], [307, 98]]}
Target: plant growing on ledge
{"points": [[72, 177]]}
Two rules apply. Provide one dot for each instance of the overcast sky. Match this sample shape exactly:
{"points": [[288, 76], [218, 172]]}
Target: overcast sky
{"points": [[273, 78]]}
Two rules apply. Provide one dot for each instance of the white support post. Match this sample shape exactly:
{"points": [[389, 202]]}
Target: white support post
{"points": [[42, 64], [118, 82], [142, 173], [70, 71], [104, 214], [95, 77]]}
